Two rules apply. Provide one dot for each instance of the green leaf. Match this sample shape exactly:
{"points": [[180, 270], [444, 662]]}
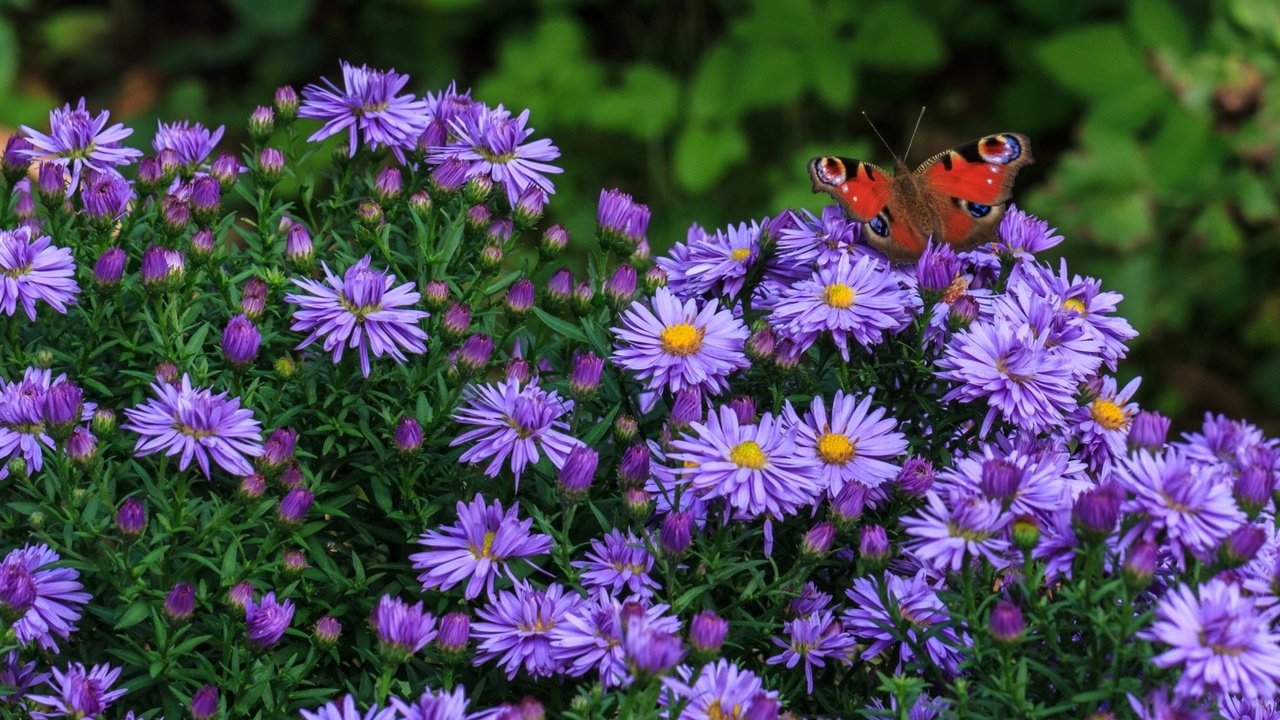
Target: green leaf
{"points": [[644, 105], [134, 614], [1158, 24], [557, 325], [896, 36], [1093, 62], [8, 57], [704, 154]]}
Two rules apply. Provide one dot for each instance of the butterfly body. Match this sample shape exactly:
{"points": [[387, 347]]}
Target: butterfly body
{"points": [[957, 196]]}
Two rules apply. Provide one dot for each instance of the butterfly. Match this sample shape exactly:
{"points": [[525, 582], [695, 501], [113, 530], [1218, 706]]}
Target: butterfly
{"points": [[957, 196]]}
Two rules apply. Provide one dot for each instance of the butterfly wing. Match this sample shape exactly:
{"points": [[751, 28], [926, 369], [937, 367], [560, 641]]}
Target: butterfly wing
{"points": [[862, 189], [975, 181]]}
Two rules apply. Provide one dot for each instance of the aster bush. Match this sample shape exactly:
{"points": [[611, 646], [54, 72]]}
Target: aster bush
{"points": [[320, 428]]}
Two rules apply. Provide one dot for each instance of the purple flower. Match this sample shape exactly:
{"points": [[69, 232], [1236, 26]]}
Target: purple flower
{"points": [[455, 632], [1148, 430], [192, 142], [240, 341], [912, 602], [368, 107], [1182, 501], [962, 528], [402, 629], [651, 646], [721, 690], [1023, 235], [82, 141], [437, 705], [591, 636], [1159, 706], [109, 268], [34, 269], [196, 423], [812, 640], [674, 344], [851, 444], [180, 602], [1102, 426], [515, 628], [44, 600], [1219, 641], [718, 263], [19, 676], [493, 142], [408, 435], [620, 220], [861, 301], [513, 422], [707, 632], [345, 709], [204, 703], [1086, 306], [618, 561], [81, 693], [1029, 479], [477, 548], [817, 242], [106, 196], [755, 468], [361, 310], [266, 621], [295, 504]]}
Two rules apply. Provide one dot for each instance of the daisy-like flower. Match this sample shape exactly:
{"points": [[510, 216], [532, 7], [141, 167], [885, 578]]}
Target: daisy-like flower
{"points": [[345, 709], [756, 468], [591, 636], [1048, 320], [1223, 440], [1030, 479], [435, 705], [1102, 426], [1011, 371], [1180, 500], [516, 422], [913, 600], [812, 640], [363, 309], [402, 629], [618, 561], [1022, 235], [1088, 306], [477, 548], [265, 622], [81, 693], [1158, 705], [493, 143], [192, 142], [962, 528], [45, 600], [721, 690], [680, 344], [852, 300], [20, 676], [515, 628], [23, 430], [819, 242], [1219, 641], [852, 443], [369, 107], [34, 269], [195, 423], [1235, 708], [718, 263], [80, 141]]}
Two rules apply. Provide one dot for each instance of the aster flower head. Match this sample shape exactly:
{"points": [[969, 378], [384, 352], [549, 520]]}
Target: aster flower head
{"points": [[851, 443], [477, 548], [1027, 479], [195, 423], [402, 629], [192, 142], [1219, 640], [20, 676], [913, 600], [1102, 425], [1178, 500], [620, 219], [80, 141], [718, 263], [435, 705], [364, 310], [45, 601], [266, 621], [1022, 235], [494, 144], [949, 533], [81, 692], [722, 690], [811, 241], [105, 197], [756, 468], [680, 344], [513, 422], [33, 269], [345, 709], [859, 301], [515, 628], [369, 107], [1086, 305], [618, 561], [813, 640], [592, 636]]}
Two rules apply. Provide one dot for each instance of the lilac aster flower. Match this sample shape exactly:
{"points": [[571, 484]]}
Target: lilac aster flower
{"points": [[1219, 641], [1182, 501], [81, 693], [81, 141], [1222, 440], [620, 219], [402, 629], [368, 107], [591, 636], [1022, 235], [196, 423], [19, 676], [362, 309], [515, 628], [718, 263], [1040, 481], [106, 196], [477, 548], [861, 301], [44, 600], [1234, 708], [1011, 371], [757, 468], [812, 640], [23, 430], [880, 606], [493, 142], [265, 622], [849, 444], [192, 142], [1048, 320], [818, 242], [33, 268], [345, 709], [1158, 705], [963, 527], [436, 705], [1102, 425], [1087, 306], [514, 422], [674, 344], [618, 561], [721, 690]]}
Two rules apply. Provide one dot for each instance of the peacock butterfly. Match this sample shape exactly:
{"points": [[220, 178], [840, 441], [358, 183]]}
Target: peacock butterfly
{"points": [[957, 196]]}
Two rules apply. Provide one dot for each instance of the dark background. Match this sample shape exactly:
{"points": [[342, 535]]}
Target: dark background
{"points": [[1154, 122]]}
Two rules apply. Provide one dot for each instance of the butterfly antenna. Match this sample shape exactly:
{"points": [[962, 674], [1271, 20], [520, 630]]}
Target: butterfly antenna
{"points": [[907, 154], [877, 132]]}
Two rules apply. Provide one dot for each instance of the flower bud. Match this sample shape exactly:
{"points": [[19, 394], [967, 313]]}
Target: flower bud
{"points": [[204, 704], [519, 369], [293, 562], [240, 594], [240, 341], [408, 435], [916, 477], [1095, 513], [294, 506], [104, 421], [420, 204], [262, 122], [873, 546], [625, 428], [1140, 565], [435, 295], [554, 241], [583, 296], [475, 353], [252, 486], [253, 301], [170, 162], [456, 321], [327, 631], [745, 408], [676, 533], [490, 257], [637, 503], [455, 633], [285, 367], [621, 288], [448, 178], [278, 449], [1148, 430], [935, 270], [51, 183], [500, 232], [1243, 544], [63, 406], [180, 602], [584, 378], [290, 476], [286, 103], [203, 243], [175, 214], [226, 170], [1000, 479], [1253, 488], [654, 278], [270, 167], [530, 206], [25, 208], [206, 199], [1026, 533], [559, 288], [818, 540], [520, 297], [633, 469], [388, 186], [298, 248], [848, 504], [166, 372], [578, 472], [477, 219], [1007, 625], [150, 175], [370, 214], [964, 310], [82, 446], [477, 189], [707, 632], [15, 160], [131, 518]]}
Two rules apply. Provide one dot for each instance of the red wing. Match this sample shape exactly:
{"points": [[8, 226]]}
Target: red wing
{"points": [[862, 189], [981, 171], [897, 237]]}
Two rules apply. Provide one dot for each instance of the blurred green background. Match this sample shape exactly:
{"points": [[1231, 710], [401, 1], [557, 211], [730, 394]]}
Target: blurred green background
{"points": [[1154, 122]]}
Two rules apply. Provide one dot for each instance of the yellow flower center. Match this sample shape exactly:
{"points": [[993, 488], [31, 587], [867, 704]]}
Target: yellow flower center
{"points": [[683, 339], [1108, 414], [16, 272], [839, 296], [485, 551], [740, 254], [1004, 370], [1075, 304], [716, 712], [748, 455], [835, 449]]}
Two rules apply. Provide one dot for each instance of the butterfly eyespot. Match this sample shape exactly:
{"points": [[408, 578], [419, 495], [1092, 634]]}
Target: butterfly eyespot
{"points": [[879, 226], [977, 210], [830, 170], [1002, 149]]}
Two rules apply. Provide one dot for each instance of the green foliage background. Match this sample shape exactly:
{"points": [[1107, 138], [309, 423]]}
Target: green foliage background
{"points": [[1154, 122]]}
